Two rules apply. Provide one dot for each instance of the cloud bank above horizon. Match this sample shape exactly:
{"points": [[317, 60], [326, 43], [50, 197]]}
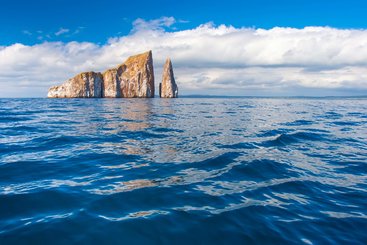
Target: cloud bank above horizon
{"points": [[208, 59]]}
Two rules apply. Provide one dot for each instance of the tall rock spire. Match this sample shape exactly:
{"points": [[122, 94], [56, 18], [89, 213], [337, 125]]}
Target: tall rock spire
{"points": [[168, 88]]}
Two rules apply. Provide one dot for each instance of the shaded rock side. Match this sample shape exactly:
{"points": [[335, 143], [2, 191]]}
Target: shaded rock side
{"points": [[132, 79], [83, 85], [168, 88]]}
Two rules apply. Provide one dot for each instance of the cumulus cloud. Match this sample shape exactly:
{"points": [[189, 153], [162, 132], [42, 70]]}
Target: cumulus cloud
{"points": [[207, 59]]}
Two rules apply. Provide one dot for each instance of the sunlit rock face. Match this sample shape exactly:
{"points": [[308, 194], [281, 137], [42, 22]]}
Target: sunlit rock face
{"points": [[83, 85], [132, 79], [168, 88], [111, 84]]}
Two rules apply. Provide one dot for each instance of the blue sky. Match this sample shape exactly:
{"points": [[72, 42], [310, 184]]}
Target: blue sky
{"points": [[265, 48], [96, 21]]}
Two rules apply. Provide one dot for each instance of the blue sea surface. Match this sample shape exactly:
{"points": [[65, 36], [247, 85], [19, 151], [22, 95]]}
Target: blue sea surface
{"points": [[183, 171]]}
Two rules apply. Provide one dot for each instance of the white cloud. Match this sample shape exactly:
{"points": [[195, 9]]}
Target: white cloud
{"points": [[61, 31], [153, 25], [207, 59]]}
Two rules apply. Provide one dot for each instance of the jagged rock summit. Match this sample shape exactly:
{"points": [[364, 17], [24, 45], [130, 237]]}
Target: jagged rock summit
{"points": [[168, 88], [132, 79]]}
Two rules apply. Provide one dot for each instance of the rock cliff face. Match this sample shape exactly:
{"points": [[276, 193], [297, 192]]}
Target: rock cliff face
{"points": [[83, 85], [111, 83], [168, 88], [132, 79]]}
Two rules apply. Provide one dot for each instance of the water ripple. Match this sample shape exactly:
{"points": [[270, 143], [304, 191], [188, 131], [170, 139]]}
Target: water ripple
{"points": [[183, 171]]}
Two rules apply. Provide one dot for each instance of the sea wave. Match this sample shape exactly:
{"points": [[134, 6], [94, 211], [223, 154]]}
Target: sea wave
{"points": [[183, 171]]}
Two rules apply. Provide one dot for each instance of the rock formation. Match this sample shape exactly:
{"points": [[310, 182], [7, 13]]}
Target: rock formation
{"points": [[132, 79], [168, 88], [83, 85]]}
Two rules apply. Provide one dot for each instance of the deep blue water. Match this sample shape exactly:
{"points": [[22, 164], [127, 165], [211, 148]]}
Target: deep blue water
{"points": [[183, 171]]}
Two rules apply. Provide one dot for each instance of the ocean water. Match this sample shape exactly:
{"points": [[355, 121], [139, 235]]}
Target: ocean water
{"points": [[183, 171]]}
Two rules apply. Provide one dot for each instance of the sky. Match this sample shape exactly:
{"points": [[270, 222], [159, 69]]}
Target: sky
{"points": [[249, 48]]}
